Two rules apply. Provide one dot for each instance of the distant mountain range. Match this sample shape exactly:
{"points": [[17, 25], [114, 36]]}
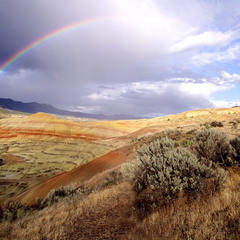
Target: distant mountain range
{"points": [[34, 107]]}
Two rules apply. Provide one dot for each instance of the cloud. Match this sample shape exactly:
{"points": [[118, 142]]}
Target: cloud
{"points": [[229, 54], [143, 61], [225, 103], [154, 98], [205, 39], [142, 99]]}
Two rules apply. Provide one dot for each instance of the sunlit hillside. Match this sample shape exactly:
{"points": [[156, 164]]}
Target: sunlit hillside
{"points": [[42, 153]]}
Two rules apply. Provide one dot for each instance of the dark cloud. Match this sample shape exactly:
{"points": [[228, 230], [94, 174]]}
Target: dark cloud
{"points": [[22, 23], [170, 100], [75, 68]]}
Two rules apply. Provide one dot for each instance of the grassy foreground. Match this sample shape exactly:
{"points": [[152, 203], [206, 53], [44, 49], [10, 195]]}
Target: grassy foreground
{"points": [[153, 197], [110, 214]]}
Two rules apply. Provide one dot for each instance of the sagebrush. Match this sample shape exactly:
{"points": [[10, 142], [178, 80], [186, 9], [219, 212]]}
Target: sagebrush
{"points": [[162, 171], [214, 146]]}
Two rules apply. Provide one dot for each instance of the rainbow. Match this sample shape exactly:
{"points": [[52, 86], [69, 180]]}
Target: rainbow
{"points": [[47, 37]]}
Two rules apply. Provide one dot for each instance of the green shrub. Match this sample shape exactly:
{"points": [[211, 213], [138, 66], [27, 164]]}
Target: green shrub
{"points": [[216, 124], [4, 232], [55, 195], [132, 169], [112, 178], [207, 125], [235, 143], [162, 171], [11, 211], [214, 146], [235, 125], [187, 143]]}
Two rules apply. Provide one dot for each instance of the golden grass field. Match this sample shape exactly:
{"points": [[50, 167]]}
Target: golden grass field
{"points": [[41, 152]]}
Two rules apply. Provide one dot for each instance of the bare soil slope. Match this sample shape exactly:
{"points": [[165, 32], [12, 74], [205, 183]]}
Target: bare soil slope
{"points": [[77, 175], [37, 149]]}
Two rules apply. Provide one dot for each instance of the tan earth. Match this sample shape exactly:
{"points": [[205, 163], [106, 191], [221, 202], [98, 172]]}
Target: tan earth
{"points": [[41, 152]]}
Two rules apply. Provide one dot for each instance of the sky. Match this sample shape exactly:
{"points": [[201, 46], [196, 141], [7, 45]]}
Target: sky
{"points": [[141, 57]]}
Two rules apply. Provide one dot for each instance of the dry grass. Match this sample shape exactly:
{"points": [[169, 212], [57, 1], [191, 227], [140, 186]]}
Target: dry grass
{"points": [[109, 214], [104, 215], [213, 218]]}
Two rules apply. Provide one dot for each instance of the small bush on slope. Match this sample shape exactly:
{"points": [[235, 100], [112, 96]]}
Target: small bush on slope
{"points": [[162, 171], [236, 146], [13, 210], [55, 195], [131, 170], [216, 217], [214, 146], [216, 124]]}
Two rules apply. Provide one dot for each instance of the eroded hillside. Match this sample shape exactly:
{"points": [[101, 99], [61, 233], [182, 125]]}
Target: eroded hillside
{"points": [[41, 153], [35, 148]]}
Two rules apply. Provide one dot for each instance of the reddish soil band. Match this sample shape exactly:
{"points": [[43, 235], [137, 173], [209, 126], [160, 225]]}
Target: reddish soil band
{"points": [[77, 175]]}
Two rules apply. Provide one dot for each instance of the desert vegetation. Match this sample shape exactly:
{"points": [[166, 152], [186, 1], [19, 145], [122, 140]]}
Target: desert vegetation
{"points": [[162, 171], [174, 177], [172, 190]]}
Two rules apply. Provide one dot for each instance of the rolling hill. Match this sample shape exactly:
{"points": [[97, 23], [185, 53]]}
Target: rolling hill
{"points": [[36, 147], [42, 152]]}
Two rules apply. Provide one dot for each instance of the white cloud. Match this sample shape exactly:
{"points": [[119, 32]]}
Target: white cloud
{"points": [[109, 93], [85, 109], [226, 77], [205, 39], [152, 24], [225, 103], [204, 58], [202, 89]]}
